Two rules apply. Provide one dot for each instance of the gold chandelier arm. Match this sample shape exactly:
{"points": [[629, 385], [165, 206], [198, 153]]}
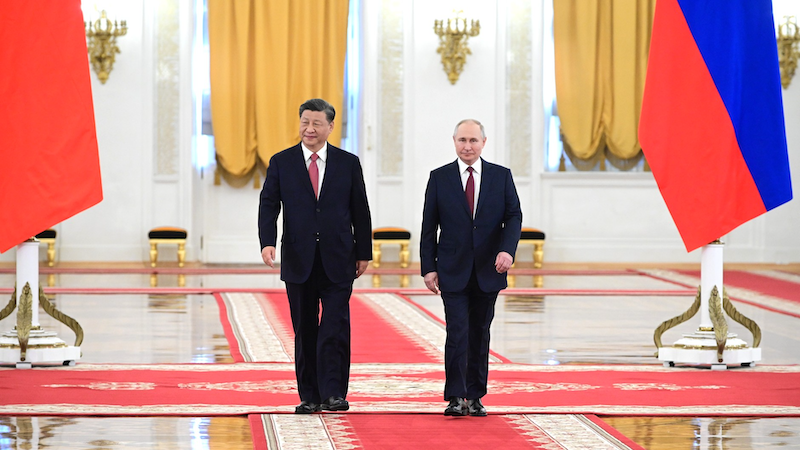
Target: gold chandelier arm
{"points": [[788, 53], [102, 44], [61, 317], [453, 44], [748, 323], [677, 320]]}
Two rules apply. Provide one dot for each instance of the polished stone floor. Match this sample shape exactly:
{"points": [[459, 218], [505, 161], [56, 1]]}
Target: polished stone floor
{"points": [[549, 329]]}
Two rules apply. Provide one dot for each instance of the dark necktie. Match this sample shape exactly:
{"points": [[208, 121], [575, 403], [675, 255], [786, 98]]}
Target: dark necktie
{"points": [[313, 173], [470, 191]]}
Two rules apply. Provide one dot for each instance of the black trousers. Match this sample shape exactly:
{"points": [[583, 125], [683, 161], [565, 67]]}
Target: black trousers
{"points": [[468, 314], [322, 346]]}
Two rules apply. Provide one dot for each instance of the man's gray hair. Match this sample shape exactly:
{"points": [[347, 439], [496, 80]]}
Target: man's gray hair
{"points": [[318, 104], [483, 131]]}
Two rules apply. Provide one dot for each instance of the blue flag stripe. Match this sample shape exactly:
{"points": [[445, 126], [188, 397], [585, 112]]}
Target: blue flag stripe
{"points": [[737, 42]]}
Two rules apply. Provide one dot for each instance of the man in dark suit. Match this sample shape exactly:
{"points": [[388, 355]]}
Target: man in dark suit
{"points": [[326, 244], [475, 207]]}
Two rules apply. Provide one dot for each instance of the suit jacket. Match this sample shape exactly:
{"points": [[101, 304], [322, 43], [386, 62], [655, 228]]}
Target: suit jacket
{"points": [[464, 243], [339, 221]]}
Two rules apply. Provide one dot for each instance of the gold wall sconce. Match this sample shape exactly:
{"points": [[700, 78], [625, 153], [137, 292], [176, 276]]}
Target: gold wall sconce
{"points": [[788, 37], [453, 44], [102, 37]]}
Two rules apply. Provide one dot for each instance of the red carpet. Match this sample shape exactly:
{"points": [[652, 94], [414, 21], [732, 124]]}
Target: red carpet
{"points": [[395, 387], [404, 431], [420, 431], [90, 389], [373, 338], [770, 290], [262, 269], [390, 328], [767, 285]]}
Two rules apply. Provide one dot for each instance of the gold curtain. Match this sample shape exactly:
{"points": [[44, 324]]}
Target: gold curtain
{"points": [[267, 57], [601, 52]]}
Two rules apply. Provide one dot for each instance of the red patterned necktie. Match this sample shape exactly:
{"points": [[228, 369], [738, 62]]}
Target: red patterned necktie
{"points": [[313, 173], [470, 191]]}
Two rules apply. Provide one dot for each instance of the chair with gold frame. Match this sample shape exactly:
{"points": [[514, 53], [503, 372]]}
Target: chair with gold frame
{"points": [[535, 237], [49, 237], [390, 235], [167, 235]]}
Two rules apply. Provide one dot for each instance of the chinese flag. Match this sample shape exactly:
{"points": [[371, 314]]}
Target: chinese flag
{"points": [[712, 125], [49, 163]]}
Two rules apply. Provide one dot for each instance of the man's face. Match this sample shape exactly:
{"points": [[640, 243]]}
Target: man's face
{"points": [[314, 129], [469, 142]]}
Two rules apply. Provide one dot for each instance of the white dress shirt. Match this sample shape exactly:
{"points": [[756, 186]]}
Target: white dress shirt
{"points": [[477, 168], [323, 157]]}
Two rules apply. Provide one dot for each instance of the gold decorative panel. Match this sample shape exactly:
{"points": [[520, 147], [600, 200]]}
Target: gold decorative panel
{"points": [[167, 82], [518, 87], [391, 89]]}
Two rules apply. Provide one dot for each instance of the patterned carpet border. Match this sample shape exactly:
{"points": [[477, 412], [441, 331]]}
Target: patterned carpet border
{"points": [[70, 409], [259, 388], [386, 368], [344, 432], [751, 297]]}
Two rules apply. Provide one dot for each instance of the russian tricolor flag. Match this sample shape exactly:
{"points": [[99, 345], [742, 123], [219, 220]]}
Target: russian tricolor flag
{"points": [[712, 126]]}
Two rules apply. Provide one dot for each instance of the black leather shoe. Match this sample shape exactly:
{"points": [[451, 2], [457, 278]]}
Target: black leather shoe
{"points": [[476, 408], [457, 407], [335, 404], [306, 408]]}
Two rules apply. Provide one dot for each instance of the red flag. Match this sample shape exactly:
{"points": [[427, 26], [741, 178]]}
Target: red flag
{"points": [[712, 125], [49, 163]]}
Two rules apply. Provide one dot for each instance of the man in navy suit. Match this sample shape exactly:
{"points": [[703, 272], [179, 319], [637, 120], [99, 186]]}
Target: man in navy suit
{"points": [[474, 206], [326, 244]]}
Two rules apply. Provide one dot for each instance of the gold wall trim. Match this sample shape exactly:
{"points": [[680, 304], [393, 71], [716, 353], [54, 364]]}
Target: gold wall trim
{"points": [[519, 86], [391, 71], [167, 87]]}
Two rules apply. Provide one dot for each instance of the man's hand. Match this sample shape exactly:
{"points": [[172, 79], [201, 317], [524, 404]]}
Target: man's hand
{"points": [[503, 262], [432, 281], [361, 266], [268, 255]]}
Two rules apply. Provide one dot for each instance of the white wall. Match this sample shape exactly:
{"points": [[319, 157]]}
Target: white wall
{"points": [[144, 127]]}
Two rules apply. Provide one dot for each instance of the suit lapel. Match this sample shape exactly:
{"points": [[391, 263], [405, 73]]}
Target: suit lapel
{"points": [[298, 164], [331, 168], [486, 180], [454, 181]]}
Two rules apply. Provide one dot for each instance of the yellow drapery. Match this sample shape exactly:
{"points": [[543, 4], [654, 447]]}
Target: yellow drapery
{"points": [[601, 52], [267, 57]]}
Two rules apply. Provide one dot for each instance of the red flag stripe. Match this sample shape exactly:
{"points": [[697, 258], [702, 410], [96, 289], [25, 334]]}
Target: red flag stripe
{"points": [[49, 163]]}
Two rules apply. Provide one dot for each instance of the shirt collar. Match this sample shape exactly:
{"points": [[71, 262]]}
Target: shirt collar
{"points": [[322, 153], [477, 167]]}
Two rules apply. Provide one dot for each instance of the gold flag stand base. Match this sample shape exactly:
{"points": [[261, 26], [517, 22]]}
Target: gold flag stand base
{"points": [[700, 348], [27, 343], [711, 344], [43, 347]]}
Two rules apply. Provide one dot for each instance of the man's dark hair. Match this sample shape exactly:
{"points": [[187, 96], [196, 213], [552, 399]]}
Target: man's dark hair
{"points": [[318, 104]]}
